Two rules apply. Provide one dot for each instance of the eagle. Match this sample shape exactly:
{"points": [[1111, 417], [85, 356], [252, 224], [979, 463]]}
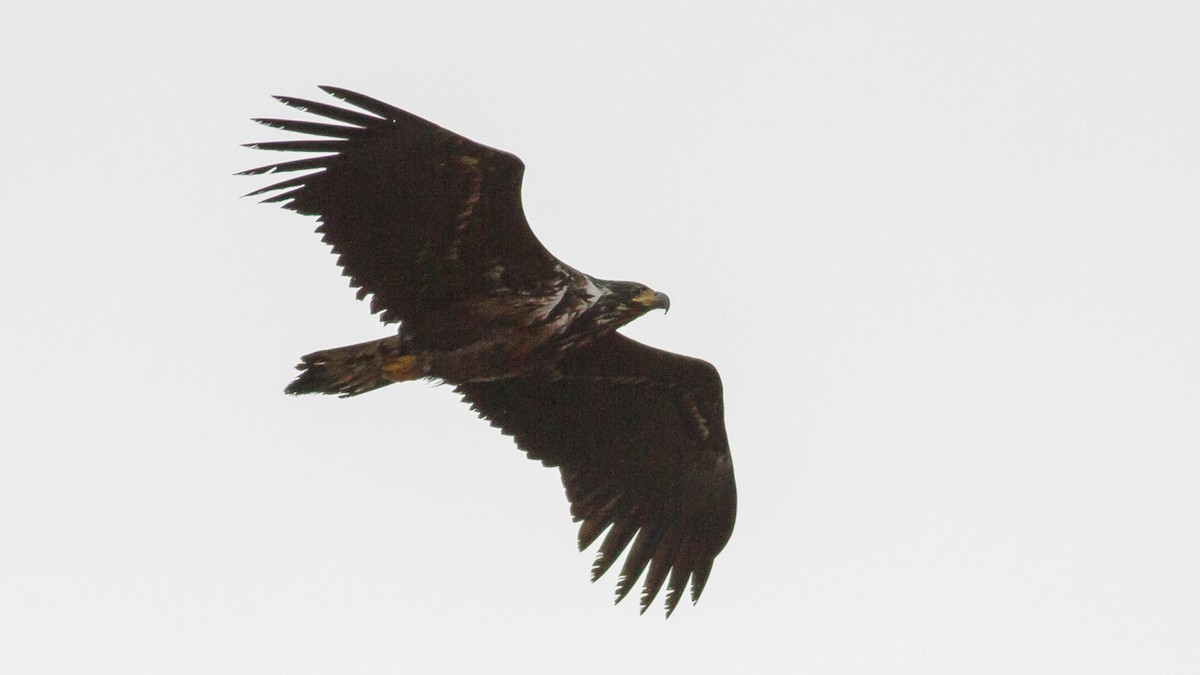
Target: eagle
{"points": [[430, 225]]}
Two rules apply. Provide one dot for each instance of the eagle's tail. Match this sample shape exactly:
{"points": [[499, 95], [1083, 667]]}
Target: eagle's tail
{"points": [[353, 370]]}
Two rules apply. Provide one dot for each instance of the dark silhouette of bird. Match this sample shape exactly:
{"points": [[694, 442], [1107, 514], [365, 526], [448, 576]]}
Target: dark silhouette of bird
{"points": [[430, 225]]}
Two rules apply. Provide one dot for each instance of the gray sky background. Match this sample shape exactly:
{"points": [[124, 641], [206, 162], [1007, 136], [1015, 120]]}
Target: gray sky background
{"points": [[946, 256]]}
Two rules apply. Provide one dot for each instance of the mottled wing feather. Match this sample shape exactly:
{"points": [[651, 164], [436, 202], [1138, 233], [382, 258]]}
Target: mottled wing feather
{"points": [[639, 437], [419, 217]]}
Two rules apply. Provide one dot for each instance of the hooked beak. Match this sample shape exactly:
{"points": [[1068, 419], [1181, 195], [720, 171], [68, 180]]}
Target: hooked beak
{"points": [[653, 300]]}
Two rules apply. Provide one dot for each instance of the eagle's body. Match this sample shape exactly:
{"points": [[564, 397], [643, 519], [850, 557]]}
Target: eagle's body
{"points": [[430, 224]]}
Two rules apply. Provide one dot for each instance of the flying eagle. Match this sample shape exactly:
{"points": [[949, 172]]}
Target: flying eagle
{"points": [[430, 225]]}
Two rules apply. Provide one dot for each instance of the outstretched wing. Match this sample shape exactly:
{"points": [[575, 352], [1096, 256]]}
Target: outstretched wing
{"points": [[639, 437], [419, 217]]}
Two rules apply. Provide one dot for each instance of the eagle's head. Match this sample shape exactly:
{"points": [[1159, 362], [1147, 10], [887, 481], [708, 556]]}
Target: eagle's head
{"points": [[620, 302]]}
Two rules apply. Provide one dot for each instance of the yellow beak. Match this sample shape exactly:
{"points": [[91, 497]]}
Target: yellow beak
{"points": [[653, 300]]}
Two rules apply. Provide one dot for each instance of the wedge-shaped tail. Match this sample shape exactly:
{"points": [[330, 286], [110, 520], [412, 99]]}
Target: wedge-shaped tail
{"points": [[349, 371]]}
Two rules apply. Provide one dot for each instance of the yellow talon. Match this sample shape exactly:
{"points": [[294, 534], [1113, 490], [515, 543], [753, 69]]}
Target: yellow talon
{"points": [[401, 368]]}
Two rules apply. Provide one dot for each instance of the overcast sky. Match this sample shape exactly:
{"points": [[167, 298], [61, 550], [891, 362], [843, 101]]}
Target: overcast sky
{"points": [[946, 256]]}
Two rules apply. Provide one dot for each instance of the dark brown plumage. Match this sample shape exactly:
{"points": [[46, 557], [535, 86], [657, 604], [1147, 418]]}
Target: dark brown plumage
{"points": [[430, 225]]}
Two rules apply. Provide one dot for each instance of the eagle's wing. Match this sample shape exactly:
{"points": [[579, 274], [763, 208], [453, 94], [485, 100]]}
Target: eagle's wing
{"points": [[639, 436], [420, 217]]}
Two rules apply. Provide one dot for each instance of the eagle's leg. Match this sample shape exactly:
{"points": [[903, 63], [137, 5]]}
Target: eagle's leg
{"points": [[403, 368]]}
